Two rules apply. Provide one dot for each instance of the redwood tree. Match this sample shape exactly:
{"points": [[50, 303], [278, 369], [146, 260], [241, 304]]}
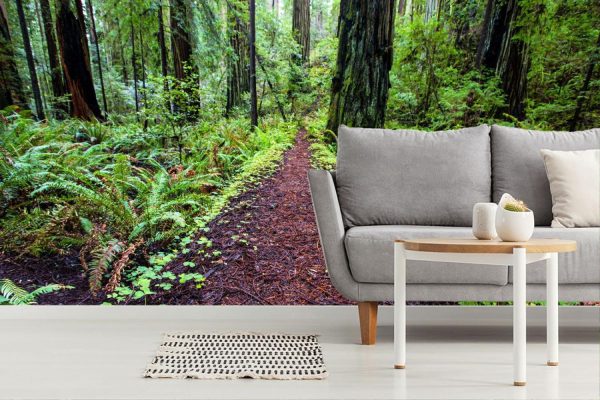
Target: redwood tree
{"points": [[162, 43], [301, 26], [75, 60], [503, 49], [35, 87], [11, 86], [56, 74], [359, 89], [181, 44], [252, 72], [237, 63], [94, 35]]}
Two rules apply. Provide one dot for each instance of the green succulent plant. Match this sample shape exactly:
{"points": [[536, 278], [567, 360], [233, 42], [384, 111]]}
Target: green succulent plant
{"points": [[516, 206]]}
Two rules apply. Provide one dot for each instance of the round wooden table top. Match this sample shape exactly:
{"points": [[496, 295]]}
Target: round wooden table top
{"points": [[447, 245]]}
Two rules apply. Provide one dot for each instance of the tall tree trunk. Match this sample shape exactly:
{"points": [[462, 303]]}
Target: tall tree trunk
{"points": [[162, 44], [401, 7], [98, 56], [44, 82], [164, 58], [359, 89], [238, 80], [253, 96], [143, 61], [301, 27], [586, 85], [134, 66], [35, 87], [502, 48], [180, 38], [122, 54], [513, 64], [485, 39], [75, 61], [11, 86], [56, 74], [431, 8]]}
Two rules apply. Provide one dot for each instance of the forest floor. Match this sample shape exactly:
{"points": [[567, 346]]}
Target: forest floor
{"points": [[264, 249]]}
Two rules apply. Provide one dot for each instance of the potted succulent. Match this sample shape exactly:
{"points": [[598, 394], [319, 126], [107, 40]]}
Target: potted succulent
{"points": [[514, 221]]}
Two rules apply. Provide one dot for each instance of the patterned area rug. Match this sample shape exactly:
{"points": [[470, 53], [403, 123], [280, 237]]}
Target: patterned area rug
{"points": [[238, 355]]}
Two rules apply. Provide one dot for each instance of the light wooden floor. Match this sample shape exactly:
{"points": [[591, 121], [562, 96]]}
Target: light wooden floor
{"points": [[100, 353]]}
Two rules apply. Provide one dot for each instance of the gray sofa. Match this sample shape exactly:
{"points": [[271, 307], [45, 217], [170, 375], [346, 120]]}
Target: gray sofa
{"points": [[409, 184]]}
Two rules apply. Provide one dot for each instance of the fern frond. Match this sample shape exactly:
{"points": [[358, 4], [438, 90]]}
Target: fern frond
{"points": [[54, 287], [100, 264], [15, 295]]}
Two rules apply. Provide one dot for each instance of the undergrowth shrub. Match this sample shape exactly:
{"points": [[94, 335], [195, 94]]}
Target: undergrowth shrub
{"points": [[112, 193]]}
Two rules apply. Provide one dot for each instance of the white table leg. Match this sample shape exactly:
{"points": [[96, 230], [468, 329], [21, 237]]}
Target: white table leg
{"points": [[552, 309], [399, 306], [519, 316]]}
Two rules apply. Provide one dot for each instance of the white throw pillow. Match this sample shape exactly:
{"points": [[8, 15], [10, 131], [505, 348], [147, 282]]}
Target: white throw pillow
{"points": [[574, 178]]}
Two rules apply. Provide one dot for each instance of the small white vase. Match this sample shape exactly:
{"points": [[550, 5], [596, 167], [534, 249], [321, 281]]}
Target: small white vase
{"points": [[513, 226], [484, 221]]}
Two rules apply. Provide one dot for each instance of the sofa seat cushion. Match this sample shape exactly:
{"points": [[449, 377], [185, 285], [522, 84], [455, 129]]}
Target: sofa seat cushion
{"points": [[405, 177], [370, 252], [518, 167], [581, 266]]}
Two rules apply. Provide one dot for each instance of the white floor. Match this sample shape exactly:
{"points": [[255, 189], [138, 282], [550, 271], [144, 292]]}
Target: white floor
{"points": [[101, 352]]}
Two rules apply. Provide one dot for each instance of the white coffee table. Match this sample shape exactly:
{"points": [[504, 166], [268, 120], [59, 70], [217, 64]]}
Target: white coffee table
{"points": [[490, 252]]}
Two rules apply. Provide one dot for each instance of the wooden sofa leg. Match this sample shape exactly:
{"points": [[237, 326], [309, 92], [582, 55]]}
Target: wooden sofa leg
{"points": [[367, 314]]}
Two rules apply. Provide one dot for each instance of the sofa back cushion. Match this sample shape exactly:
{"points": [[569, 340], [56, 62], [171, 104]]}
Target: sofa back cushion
{"points": [[407, 177], [518, 166]]}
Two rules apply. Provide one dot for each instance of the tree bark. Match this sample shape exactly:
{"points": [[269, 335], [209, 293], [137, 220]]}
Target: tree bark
{"points": [[134, 66], [98, 56], [301, 27], [44, 82], [431, 7], [11, 86], [401, 7], [75, 62], [143, 65], [56, 74], [586, 85], [252, 39], [181, 44], [359, 89], [162, 44], [35, 87], [238, 79], [513, 64], [487, 27], [501, 49], [122, 54]]}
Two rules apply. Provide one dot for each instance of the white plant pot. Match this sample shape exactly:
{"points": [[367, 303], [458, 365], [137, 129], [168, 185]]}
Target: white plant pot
{"points": [[513, 226]]}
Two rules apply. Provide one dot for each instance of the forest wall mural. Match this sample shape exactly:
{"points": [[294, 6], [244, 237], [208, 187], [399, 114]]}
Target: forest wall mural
{"points": [[156, 151]]}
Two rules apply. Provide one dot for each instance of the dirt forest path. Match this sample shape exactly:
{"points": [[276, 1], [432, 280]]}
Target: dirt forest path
{"points": [[265, 246]]}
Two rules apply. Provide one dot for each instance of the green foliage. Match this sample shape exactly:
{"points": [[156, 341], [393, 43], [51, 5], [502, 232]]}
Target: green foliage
{"points": [[12, 294], [102, 189]]}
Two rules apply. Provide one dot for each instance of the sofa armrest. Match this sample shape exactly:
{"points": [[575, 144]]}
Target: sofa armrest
{"points": [[332, 232]]}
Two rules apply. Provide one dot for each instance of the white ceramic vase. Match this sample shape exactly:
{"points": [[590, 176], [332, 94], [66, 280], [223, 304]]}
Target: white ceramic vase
{"points": [[513, 226], [484, 221]]}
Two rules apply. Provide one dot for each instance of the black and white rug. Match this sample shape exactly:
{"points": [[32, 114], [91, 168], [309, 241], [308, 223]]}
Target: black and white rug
{"points": [[238, 355]]}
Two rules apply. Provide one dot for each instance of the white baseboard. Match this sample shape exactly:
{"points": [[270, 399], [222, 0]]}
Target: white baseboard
{"points": [[574, 316]]}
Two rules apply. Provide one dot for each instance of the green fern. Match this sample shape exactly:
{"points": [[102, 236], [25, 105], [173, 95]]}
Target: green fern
{"points": [[100, 264], [11, 294]]}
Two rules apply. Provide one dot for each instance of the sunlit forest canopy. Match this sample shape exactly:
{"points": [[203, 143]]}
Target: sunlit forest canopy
{"points": [[127, 126], [454, 62]]}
